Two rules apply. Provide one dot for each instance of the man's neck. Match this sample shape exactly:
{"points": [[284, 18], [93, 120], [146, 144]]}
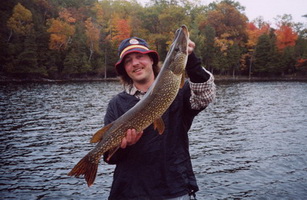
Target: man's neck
{"points": [[143, 86]]}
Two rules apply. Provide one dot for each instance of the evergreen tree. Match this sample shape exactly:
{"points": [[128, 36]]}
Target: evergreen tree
{"points": [[288, 61], [71, 63], [274, 65], [234, 58], [262, 54], [219, 62], [27, 59], [85, 66]]}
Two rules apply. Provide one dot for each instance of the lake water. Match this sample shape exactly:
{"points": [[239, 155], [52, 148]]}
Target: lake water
{"points": [[251, 143]]}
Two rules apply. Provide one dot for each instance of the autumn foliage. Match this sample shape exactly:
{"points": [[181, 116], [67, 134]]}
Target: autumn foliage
{"points": [[66, 38], [285, 37], [21, 20], [121, 30], [61, 33], [254, 33]]}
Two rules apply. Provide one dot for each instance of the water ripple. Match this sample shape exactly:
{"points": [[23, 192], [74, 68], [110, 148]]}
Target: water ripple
{"points": [[249, 144]]}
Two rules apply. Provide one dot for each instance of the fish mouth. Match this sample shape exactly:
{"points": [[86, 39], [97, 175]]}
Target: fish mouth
{"points": [[181, 32], [180, 41], [184, 29]]}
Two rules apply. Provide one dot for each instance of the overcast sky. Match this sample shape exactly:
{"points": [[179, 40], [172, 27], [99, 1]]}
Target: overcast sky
{"points": [[269, 9]]}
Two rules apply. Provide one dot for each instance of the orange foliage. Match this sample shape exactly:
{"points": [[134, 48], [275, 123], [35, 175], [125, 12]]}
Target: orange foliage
{"points": [[300, 63], [122, 30], [285, 37], [61, 33], [67, 16], [223, 43], [21, 20], [227, 19], [254, 33]]}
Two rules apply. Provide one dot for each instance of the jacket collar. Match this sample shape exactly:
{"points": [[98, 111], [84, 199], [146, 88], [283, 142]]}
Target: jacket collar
{"points": [[132, 90]]}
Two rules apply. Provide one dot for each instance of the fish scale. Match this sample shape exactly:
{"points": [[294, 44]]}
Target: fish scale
{"points": [[147, 111]]}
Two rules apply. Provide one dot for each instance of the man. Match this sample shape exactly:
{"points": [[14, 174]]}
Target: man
{"points": [[150, 166]]}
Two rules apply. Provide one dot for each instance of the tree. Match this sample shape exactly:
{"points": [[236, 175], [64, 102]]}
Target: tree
{"points": [[266, 56], [21, 21], [121, 29], [287, 61], [262, 54], [234, 58], [81, 37], [71, 63], [229, 25], [225, 17], [161, 20], [253, 33], [61, 34], [62, 29], [93, 36], [285, 37], [209, 49]]}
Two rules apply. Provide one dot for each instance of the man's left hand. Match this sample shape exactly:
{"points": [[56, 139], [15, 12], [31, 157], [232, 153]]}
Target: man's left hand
{"points": [[191, 46]]}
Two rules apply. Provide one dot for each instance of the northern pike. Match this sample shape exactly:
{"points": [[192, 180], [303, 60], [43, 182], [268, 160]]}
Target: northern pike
{"points": [[147, 111]]}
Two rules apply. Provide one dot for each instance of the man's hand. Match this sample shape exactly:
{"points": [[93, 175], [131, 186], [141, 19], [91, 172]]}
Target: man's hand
{"points": [[131, 138], [191, 46]]}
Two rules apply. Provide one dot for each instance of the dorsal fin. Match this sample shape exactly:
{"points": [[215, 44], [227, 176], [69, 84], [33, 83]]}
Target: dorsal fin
{"points": [[97, 137]]}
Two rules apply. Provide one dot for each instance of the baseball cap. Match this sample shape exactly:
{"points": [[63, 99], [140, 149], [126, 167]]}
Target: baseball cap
{"points": [[134, 45]]}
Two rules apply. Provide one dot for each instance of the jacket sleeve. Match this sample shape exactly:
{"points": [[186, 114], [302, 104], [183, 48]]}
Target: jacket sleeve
{"points": [[201, 81]]}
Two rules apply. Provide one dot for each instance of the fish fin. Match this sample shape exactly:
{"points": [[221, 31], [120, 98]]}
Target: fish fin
{"points": [[112, 152], [182, 81], [97, 137], [159, 125], [87, 168]]}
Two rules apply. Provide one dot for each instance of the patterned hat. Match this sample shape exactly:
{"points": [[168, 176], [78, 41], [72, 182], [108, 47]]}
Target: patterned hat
{"points": [[131, 45]]}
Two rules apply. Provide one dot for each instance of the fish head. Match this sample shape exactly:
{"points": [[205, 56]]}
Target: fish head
{"points": [[178, 53]]}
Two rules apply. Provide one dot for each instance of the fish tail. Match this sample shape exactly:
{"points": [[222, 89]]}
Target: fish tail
{"points": [[87, 168]]}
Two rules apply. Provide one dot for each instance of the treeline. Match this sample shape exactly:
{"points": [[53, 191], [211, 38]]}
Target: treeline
{"points": [[79, 38]]}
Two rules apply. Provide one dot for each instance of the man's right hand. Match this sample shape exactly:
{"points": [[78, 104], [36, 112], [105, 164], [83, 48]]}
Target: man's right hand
{"points": [[131, 138]]}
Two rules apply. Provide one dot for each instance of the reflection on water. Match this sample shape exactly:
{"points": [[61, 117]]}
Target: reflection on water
{"points": [[250, 144]]}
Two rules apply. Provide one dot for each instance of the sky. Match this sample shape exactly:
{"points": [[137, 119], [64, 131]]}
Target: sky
{"points": [[269, 9]]}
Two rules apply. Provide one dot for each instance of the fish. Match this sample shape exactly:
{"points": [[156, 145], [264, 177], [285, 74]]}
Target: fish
{"points": [[147, 111]]}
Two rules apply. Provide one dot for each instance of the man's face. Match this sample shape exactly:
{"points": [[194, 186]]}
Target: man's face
{"points": [[139, 67]]}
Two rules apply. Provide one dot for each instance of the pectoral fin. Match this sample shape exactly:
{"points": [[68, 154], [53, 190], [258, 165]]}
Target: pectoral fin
{"points": [[159, 125], [112, 152], [99, 134]]}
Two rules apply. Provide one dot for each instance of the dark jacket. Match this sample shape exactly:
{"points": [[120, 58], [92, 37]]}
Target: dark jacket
{"points": [[158, 166]]}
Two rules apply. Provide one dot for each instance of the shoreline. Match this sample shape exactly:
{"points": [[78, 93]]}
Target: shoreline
{"points": [[217, 78]]}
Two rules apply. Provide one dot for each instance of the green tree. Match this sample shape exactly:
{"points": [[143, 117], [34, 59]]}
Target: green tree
{"points": [[234, 58], [71, 63], [287, 61], [208, 51], [262, 54]]}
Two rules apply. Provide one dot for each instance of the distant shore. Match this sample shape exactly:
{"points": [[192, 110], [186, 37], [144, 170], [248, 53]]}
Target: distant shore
{"points": [[4, 79]]}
